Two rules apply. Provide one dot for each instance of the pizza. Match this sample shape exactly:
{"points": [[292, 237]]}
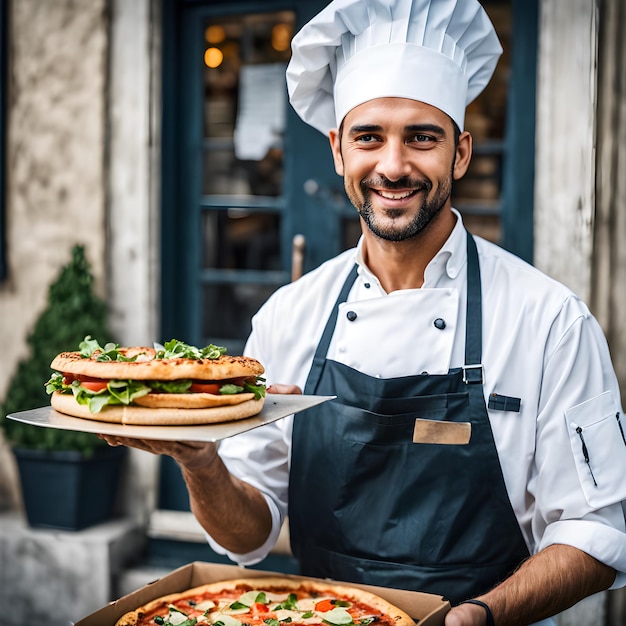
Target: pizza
{"points": [[268, 601], [174, 384]]}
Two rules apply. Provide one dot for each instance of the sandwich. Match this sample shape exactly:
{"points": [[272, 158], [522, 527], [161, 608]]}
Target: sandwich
{"points": [[172, 384]]}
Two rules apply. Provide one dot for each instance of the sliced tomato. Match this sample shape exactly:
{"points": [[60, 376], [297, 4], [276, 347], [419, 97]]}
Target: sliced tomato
{"points": [[213, 388], [260, 608], [94, 385], [88, 382]]}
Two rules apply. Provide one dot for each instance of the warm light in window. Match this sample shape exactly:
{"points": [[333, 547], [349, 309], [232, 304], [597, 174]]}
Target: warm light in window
{"points": [[214, 34], [281, 37], [213, 57]]}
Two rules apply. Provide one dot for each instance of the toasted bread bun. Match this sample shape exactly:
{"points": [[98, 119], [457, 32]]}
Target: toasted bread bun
{"points": [[141, 415], [147, 367]]}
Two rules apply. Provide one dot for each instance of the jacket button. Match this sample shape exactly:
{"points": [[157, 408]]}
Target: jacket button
{"points": [[351, 315], [439, 323]]}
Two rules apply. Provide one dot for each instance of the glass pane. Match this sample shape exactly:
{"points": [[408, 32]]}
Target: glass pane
{"points": [[241, 301], [245, 97], [478, 194], [237, 239]]}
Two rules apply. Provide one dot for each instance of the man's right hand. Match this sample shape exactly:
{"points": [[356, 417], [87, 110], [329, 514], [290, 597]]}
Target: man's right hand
{"points": [[191, 455]]}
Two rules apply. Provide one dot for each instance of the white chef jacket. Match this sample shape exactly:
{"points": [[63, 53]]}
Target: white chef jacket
{"points": [[540, 344]]}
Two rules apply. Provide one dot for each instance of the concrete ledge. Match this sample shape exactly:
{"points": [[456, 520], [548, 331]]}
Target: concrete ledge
{"points": [[73, 573]]}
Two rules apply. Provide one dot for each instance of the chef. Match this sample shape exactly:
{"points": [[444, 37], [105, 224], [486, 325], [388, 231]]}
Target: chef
{"points": [[476, 446]]}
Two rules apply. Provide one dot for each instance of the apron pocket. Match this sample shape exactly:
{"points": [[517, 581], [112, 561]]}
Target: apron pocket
{"points": [[596, 430], [395, 425]]}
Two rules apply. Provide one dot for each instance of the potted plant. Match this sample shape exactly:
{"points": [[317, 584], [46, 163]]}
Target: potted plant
{"points": [[69, 479]]}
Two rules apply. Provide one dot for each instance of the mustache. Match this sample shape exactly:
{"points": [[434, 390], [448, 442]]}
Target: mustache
{"points": [[406, 182]]}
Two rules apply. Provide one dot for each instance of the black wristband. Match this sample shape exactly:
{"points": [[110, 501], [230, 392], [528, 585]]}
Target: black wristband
{"points": [[485, 606]]}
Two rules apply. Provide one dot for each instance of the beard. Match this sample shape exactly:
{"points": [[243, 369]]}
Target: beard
{"points": [[391, 229]]}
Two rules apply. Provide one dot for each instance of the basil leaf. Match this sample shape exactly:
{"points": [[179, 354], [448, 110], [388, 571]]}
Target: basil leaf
{"points": [[238, 605], [290, 604]]}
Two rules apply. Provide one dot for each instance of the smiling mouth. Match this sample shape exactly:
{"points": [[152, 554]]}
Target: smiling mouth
{"points": [[395, 195]]}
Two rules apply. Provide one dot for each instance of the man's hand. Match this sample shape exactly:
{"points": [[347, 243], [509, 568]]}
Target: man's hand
{"points": [[189, 454], [466, 615], [547, 583], [285, 389]]}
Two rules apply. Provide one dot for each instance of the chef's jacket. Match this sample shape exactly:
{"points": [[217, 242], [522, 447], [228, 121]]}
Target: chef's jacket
{"points": [[544, 357]]}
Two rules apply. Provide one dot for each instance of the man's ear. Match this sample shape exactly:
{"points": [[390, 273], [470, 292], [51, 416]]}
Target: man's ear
{"points": [[335, 146], [463, 155]]}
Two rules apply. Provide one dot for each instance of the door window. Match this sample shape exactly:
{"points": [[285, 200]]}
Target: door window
{"points": [[242, 204]]}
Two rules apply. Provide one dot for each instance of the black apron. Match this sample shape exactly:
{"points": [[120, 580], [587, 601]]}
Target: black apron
{"points": [[368, 505]]}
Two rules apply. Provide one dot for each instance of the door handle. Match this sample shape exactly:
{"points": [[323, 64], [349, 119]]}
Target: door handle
{"points": [[297, 256]]}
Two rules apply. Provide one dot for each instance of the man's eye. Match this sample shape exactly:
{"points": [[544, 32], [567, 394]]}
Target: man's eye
{"points": [[422, 138], [366, 138]]}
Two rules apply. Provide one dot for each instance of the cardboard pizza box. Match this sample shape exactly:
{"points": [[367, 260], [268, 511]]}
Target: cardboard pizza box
{"points": [[425, 608]]}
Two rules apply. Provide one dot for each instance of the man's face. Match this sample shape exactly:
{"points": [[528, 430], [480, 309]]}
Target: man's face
{"points": [[398, 158]]}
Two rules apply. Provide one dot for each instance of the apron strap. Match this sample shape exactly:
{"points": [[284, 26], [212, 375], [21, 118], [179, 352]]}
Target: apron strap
{"points": [[324, 343], [473, 370]]}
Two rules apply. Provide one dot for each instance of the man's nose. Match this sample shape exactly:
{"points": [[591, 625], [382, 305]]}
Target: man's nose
{"points": [[394, 163]]}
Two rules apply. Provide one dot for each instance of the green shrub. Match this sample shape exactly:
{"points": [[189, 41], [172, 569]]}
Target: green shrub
{"points": [[73, 311]]}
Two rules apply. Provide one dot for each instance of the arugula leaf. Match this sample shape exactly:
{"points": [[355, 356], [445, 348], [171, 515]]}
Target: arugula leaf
{"points": [[258, 390], [110, 351], [177, 349], [56, 383], [88, 346]]}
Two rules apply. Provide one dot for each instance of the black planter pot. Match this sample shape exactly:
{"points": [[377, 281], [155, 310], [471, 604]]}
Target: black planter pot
{"points": [[67, 491]]}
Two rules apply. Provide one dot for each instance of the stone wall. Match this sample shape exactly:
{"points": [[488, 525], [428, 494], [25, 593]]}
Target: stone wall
{"points": [[55, 163]]}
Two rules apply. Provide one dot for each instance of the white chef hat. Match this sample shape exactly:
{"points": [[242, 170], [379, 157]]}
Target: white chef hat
{"points": [[441, 52]]}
